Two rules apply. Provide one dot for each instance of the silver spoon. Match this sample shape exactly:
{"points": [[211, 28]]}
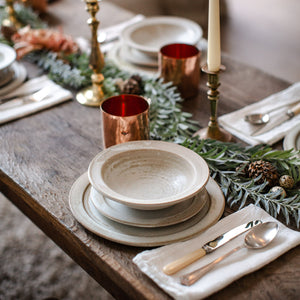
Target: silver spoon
{"points": [[262, 118], [258, 119], [258, 237]]}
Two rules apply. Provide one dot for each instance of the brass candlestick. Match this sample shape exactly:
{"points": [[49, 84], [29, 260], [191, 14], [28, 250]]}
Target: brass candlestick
{"points": [[10, 23], [93, 95], [213, 131]]}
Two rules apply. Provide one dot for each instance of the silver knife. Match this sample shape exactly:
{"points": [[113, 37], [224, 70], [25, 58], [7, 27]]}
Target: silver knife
{"points": [[209, 247], [278, 119]]}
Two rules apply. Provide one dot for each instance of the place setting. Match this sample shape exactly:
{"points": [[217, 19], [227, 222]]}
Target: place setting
{"points": [[139, 43], [20, 96], [143, 192]]}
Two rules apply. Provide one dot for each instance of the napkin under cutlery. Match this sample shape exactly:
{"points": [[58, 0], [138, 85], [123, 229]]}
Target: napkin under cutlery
{"points": [[243, 262], [234, 122], [57, 95]]}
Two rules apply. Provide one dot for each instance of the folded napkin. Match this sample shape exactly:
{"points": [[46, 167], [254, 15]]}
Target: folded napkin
{"points": [[57, 95], [235, 266], [234, 122]]}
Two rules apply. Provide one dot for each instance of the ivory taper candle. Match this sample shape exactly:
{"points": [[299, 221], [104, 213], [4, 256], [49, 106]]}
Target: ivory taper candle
{"points": [[214, 48]]}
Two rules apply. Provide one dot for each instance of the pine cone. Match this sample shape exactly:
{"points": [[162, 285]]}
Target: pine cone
{"points": [[138, 79], [133, 85], [265, 168]]}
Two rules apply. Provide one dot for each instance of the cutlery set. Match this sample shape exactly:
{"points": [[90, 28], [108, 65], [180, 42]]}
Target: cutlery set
{"points": [[258, 235], [41, 94], [267, 122], [209, 247]]}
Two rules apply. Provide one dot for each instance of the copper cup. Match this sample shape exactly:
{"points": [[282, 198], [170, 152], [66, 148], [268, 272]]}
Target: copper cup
{"points": [[180, 63], [124, 118]]}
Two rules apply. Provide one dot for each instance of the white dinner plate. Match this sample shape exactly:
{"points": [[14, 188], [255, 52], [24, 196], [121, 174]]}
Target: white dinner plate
{"points": [[148, 218], [20, 74], [150, 34], [7, 56], [86, 214], [292, 139]]}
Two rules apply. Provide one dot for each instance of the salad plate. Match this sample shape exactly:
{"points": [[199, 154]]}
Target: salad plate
{"points": [[148, 218]]}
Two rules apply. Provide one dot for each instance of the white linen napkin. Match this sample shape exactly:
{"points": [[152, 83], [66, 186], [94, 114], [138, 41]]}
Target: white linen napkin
{"points": [[234, 122], [235, 266], [58, 95]]}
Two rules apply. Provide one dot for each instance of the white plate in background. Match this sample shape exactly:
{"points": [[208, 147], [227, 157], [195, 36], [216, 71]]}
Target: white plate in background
{"points": [[150, 34]]}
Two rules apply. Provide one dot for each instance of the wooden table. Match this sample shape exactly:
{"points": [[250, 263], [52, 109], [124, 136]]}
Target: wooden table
{"points": [[43, 154]]}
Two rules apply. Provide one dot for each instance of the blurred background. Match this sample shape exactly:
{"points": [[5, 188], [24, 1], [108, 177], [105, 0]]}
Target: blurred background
{"points": [[261, 33]]}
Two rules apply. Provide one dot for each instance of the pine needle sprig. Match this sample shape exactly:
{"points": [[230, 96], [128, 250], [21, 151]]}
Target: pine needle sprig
{"points": [[61, 70], [26, 15]]}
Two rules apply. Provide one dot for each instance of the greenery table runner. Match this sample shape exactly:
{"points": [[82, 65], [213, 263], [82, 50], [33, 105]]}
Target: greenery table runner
{"points": [[261, 175]]}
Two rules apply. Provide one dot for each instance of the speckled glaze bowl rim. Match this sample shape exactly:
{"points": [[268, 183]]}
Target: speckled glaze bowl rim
{"points": [[197, 163]]}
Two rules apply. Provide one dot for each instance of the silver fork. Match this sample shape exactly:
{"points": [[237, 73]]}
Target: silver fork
{"points": [[35, 97]]}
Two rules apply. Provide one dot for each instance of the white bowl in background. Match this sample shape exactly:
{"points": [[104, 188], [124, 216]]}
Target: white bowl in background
{"points": [[148, 174], [150, 34]]}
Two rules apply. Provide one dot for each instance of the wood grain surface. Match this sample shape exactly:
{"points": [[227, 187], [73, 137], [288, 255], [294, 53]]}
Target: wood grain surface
{"points": [[43, 154]]}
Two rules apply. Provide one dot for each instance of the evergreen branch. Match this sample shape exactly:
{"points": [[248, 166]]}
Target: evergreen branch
{"points": [[223, 160], [26, 15]]}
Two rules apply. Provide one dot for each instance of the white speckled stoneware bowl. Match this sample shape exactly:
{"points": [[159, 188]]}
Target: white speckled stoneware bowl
{"points": [[148, 174]]}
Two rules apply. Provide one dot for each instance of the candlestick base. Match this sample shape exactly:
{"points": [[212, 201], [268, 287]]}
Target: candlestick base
{"points": [[92, 95], [86, 97], [213, 131]]}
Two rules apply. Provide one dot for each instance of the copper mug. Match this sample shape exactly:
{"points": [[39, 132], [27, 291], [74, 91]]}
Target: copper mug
{"points": [[124, 118], [180, 64]]}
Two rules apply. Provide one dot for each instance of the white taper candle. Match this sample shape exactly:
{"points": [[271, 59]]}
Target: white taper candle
{"points": [[214, 47]]}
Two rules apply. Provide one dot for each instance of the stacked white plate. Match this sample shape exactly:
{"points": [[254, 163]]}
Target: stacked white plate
{"points": [[146, 193], [140, 42], [12, 74]]}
